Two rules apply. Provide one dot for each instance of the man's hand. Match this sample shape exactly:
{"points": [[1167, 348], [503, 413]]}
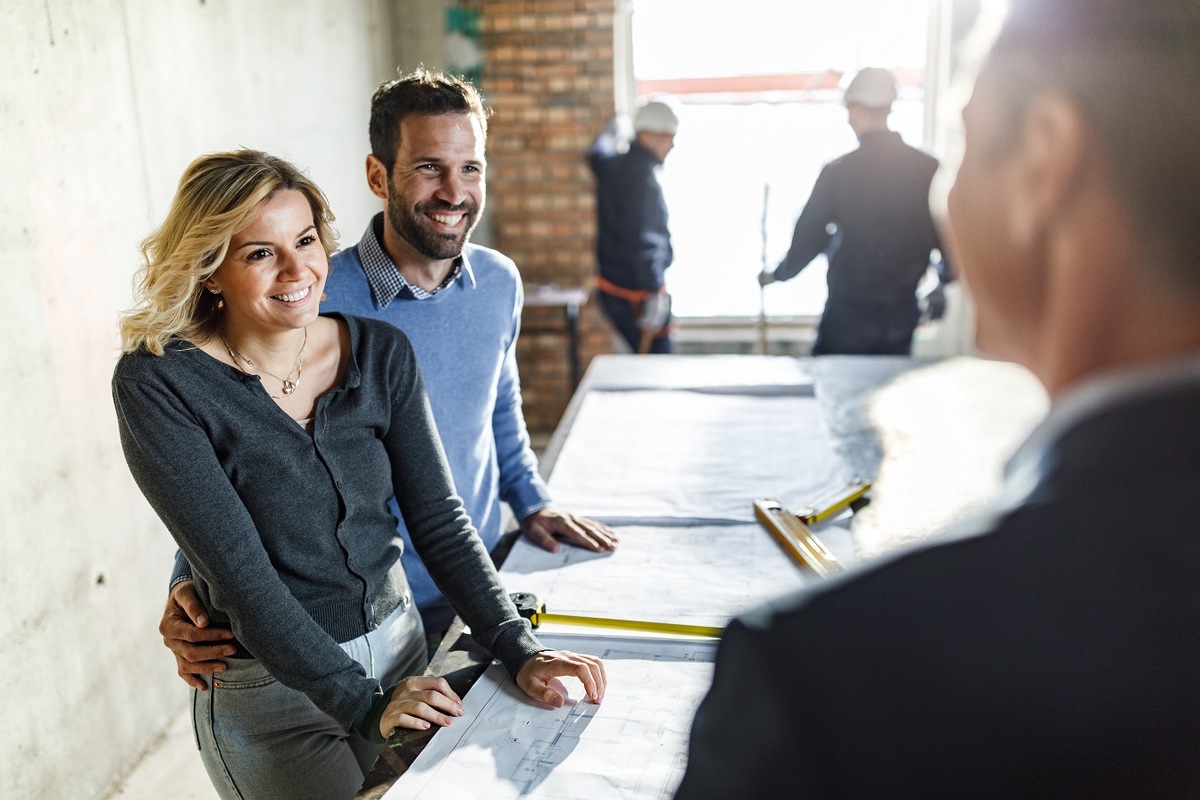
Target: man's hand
{"points": [[538, 677], [766, 278], [933, 304], [185, 632], [543, 527], [620, 128]]}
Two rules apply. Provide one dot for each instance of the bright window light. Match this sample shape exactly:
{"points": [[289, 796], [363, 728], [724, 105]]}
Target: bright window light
{"points": [[771, 129]]}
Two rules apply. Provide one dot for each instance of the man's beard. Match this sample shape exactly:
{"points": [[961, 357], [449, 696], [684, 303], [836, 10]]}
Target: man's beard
{"points": [[414, 226]]}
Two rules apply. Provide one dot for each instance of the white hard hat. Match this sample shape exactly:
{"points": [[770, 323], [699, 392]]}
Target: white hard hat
{"points": [[657, 116], [873, 87]]}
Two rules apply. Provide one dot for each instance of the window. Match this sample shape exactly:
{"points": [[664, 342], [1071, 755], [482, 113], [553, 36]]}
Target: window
{"points": [[758, 80]]}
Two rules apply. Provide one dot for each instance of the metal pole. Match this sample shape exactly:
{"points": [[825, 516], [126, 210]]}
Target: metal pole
{"points": [[762, 290]]}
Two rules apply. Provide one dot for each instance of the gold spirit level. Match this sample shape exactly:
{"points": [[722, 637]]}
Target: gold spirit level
{"points": [[799, 542]]}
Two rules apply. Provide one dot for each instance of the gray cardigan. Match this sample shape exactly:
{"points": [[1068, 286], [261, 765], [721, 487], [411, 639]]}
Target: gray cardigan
{"points": [[289, 534]]}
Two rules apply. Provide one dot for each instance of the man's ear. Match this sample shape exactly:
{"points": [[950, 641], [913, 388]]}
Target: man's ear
{"points": [[1049, 167], [377, 177]]}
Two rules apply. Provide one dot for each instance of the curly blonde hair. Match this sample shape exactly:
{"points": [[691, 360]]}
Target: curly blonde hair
{"points": [[218, 196]]}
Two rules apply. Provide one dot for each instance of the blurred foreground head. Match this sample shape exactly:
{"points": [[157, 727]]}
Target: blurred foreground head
{"points": [[1132, 70], [1079, 172]]}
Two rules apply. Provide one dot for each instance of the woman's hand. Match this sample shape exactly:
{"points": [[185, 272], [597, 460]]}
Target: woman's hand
{"points": [[419, 702], [538, 676]]}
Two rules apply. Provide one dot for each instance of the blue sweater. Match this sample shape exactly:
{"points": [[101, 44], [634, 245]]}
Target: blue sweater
{"points": [[465, 339]]}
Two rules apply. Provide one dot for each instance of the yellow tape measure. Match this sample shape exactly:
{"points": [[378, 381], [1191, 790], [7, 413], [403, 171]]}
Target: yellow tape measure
{"points": [[531, 607], [834, 503]]}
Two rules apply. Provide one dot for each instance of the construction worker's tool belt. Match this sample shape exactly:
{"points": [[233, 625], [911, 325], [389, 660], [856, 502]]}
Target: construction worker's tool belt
{"points": [[636, 296]]}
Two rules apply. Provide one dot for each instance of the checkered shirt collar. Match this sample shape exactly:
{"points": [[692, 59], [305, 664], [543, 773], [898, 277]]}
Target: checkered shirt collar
{"points": [[385, 279]]}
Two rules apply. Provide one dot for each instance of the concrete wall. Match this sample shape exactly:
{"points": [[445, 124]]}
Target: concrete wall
{"points": [[418, 28], [102, 105]]}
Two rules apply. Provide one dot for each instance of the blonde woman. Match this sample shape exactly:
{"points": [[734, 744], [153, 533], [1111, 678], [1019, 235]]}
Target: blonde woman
{"points": [[269, 439]]}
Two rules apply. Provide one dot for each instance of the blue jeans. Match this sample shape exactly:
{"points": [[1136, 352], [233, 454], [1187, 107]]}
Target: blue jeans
{"points": [[261, 740]]}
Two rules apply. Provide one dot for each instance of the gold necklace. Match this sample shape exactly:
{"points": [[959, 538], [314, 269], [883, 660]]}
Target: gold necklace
{"points": [[289, 383]]}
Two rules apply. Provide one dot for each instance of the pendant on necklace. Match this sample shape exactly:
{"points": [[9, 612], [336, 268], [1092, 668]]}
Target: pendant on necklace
{"points": [[289, 387]]}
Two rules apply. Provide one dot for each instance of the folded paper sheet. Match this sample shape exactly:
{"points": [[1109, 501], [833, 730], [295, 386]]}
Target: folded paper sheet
{"points": [[657, 456], [736, 374]]}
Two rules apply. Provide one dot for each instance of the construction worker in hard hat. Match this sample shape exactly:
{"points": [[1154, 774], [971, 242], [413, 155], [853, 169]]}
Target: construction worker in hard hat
{"points": [[633, 243], [869, 212]]}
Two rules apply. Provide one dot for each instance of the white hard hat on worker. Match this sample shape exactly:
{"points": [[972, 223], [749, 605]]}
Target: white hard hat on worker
{"points": [[659, 115], [872, 87], [656, 123]]}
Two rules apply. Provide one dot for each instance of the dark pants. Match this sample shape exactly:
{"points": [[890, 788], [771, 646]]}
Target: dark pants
{"points": [[857, 329], [624, 317]]}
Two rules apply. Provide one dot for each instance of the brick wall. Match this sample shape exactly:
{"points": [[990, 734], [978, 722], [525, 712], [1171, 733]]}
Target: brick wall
{"points": [[548, 76]]}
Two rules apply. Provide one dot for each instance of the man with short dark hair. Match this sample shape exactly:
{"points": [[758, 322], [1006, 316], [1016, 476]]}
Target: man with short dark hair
{"points": [[869, 212], [460, 306], [1050, 647]]}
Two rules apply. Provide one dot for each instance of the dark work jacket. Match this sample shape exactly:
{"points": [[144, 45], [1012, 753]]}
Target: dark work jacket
{"points": [[633, 244], [1053, 654], [869, 210]]}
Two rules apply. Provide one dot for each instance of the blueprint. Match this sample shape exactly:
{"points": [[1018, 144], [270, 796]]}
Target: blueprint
{"points": [[695, 574], [632, 745], [638, 456]]}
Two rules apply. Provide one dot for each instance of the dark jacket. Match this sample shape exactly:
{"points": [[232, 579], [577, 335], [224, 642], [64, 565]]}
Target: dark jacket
{"points": [[1052, 654], [870, 210], [633, 244]]}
